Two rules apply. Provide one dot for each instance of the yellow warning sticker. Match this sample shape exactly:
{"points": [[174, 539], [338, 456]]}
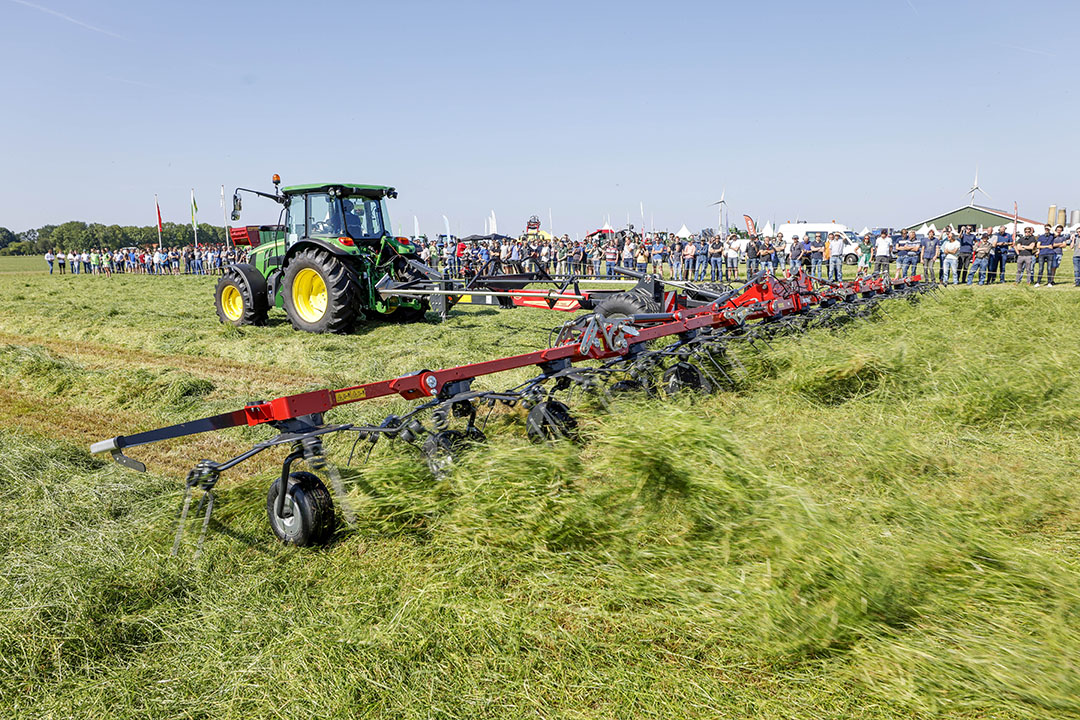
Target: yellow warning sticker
{"points": [[344, 396]]}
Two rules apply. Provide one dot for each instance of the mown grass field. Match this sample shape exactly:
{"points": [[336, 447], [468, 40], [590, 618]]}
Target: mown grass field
{"points": [[884, 523]]}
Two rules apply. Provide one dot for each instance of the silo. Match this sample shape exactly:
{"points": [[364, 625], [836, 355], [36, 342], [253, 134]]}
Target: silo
{"points": [[1075, 219], [1052, 215], [1061, 216]]}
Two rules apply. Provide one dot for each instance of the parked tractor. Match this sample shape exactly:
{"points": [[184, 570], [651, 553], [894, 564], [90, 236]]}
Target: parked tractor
{"points": [[322, 261]]}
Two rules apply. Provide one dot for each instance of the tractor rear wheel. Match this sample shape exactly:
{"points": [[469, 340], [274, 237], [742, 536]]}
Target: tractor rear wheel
{"points": [[235, 303], [309, 508], [321, 292]]}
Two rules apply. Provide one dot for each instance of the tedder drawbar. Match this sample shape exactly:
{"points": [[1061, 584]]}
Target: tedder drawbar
{"points": [[682, 349]]}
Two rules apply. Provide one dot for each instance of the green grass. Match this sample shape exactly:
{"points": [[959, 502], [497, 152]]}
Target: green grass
{"points": [[882, 524]]}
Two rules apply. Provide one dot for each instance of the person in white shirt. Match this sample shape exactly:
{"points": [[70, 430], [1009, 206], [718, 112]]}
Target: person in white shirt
{"points": [[882, 254], [950, 249]]}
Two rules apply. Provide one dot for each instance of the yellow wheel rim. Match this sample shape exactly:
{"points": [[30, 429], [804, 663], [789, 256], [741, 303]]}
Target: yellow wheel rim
{"points": [[232, 303], [309, 295]]}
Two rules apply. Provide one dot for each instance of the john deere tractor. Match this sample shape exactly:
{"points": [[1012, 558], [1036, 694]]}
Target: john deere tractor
{"points": [[322, 263]]}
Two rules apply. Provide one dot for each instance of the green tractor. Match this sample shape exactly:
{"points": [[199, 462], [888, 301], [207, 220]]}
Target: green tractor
{"points": [[322, 264]]}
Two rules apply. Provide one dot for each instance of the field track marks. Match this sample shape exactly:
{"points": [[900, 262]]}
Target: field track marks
{"points": [[98, 355], [52, 417]]}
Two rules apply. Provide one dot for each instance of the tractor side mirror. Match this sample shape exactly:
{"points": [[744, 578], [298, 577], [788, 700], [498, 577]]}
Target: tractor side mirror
{"points": [[236, 206]]}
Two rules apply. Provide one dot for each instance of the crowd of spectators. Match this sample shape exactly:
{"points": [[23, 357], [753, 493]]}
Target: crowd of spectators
{"points": [[190, 260], [957, 256]]}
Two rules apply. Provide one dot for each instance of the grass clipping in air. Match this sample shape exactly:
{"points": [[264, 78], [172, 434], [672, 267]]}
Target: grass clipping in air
{"points": [[883, 524]]}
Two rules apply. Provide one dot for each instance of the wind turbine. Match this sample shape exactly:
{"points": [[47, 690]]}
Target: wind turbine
{"points": [[975, 188], [721, 202]]}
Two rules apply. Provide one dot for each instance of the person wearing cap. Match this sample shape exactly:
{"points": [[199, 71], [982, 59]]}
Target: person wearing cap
{"points": [[1000, 242], [929, 249], [980, 258], [1025, 255]]}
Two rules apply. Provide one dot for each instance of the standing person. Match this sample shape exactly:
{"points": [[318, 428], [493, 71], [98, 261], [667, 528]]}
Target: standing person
{"points": [[967, 246], [731, 259], [882, 254], [1046, 243], [980, 259], [817, 254], [716, 259], [836, 257], [783, 250], [73, 262], [656, 254], [61, 261], [701, 259], [1025, 255], [50, 258], [911, 254], [642, 259], [805, 254], [611, 256], [950, 249], [866, 250], [1000, 242], [753, 263], [929, 249], [1074, 245], [688, 252], [1060, 241]]}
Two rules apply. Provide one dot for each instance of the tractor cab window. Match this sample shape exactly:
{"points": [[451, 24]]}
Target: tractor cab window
{"points": [[363, 217], [324, 215], [295, 222]]}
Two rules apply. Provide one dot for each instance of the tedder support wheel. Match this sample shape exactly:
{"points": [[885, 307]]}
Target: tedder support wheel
{"points": [[550, 420], [684, 376], [309, 507], [626, 304], [322, 292], [234, 301], [410, 314]]}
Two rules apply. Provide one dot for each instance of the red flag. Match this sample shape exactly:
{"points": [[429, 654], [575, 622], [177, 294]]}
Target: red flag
{"points": [[160, 229], [750, 227]]}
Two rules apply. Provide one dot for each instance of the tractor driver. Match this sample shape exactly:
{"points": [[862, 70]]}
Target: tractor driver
{"points": [[354, 218]]}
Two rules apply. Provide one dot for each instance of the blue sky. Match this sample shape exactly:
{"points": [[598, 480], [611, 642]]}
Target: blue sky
{"points": [[869, 113]]}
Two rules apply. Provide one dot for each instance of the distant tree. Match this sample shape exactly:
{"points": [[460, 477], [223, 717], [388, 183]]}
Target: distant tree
{"points": [[7, 237]]}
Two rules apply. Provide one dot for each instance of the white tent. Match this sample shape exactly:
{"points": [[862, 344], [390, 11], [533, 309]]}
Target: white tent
{"points": [[683, 232], [767, 231], [607, 227], [923, 230], [932, 227], [866, 231]]}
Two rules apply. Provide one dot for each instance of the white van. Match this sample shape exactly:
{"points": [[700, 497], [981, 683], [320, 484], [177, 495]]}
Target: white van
{"points": [[803, 229]]}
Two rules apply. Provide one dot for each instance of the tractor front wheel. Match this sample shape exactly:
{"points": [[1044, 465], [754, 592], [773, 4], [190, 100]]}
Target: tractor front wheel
{"points": [[235, 303], [321, 292]]}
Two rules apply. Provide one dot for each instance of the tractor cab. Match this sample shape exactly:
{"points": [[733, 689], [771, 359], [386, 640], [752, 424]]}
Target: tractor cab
{"points": [[342, 215]]}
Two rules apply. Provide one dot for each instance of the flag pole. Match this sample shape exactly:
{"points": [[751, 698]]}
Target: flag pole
{"points": [[194, 225], [225, 219], [158, 208]]}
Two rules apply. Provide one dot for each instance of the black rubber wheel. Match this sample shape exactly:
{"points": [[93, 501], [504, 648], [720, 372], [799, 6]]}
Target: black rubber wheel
{"points": [[234, 302], [684, 376], [851, 259], [626, 387], [312, 521], [625, 304], [550, 420], [335, 309]]}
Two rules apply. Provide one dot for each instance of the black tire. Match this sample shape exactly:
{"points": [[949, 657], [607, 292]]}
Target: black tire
{"points": [[312, 521], [851, 259], [626, 304], [342, 292], [684, 376], [235, 303], [550, 420], [627, 387]]}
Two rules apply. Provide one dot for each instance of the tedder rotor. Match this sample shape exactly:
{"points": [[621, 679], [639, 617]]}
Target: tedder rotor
{"points": [[685, 347]]}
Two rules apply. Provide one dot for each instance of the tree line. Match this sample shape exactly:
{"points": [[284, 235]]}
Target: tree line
{"points": [[78, 236]]}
